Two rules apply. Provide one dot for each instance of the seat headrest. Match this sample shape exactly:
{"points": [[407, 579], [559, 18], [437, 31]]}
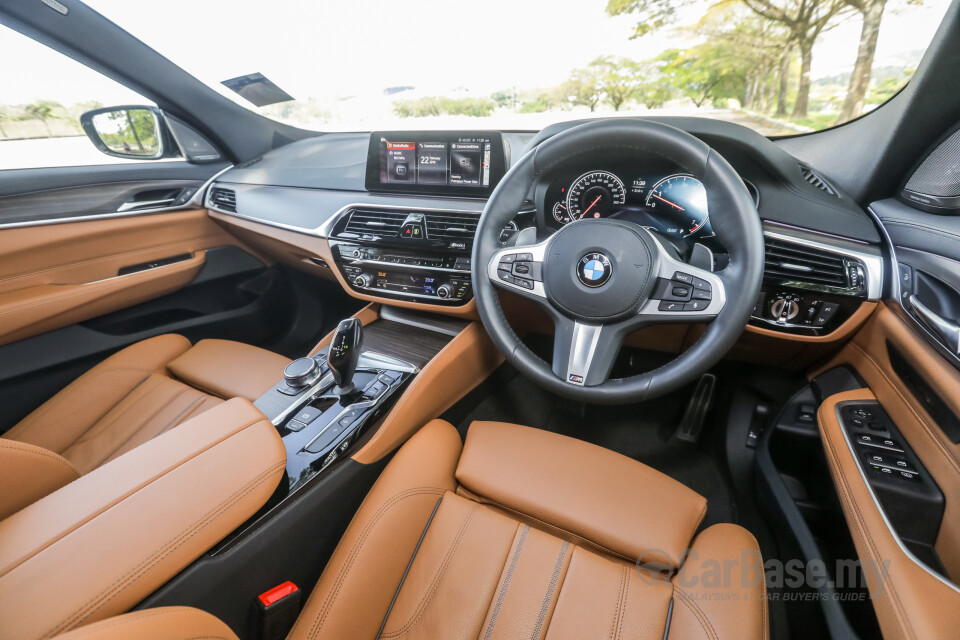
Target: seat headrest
{"points": [[593, 493]]}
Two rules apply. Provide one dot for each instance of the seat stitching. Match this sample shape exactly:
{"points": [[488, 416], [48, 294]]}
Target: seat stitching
{"points": [[166, 549], [836, 470], [125, 496], [140, 428], [698, 613], [355, 549], [550, 526], [626, 601], [507, 578], [431, 590], [548, 597], [32, 449], [170, 424], [616, 615], [66, 392]]}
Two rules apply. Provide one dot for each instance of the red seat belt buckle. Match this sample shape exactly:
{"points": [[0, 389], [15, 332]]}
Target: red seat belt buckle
{"points": [[275, 611]]}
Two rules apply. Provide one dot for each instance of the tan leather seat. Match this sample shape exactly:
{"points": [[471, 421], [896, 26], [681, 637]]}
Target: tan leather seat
{"points": [[129, 398], [518, 533]]}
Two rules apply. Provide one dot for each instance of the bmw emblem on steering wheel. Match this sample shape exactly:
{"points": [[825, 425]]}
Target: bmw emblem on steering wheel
{"points": [[594, 269]]}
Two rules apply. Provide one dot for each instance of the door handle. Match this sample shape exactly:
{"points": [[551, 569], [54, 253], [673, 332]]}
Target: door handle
{"points": [[947, 330], [145, 204]]}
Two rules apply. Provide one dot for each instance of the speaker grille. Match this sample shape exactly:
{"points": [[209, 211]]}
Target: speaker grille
{"points": [[939, 174]]}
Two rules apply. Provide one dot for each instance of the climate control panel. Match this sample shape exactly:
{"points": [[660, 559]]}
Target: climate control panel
{"points": [[419, 277]]}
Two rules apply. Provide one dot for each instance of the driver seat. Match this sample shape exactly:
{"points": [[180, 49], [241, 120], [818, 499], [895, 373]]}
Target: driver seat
{"points": [[518, 533]]}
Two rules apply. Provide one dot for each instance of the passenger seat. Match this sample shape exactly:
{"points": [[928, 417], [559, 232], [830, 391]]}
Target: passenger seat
{"points": [[132, 396]]}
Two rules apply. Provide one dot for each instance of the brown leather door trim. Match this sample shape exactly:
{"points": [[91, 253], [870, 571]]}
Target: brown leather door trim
{"points": [[876, 502]]}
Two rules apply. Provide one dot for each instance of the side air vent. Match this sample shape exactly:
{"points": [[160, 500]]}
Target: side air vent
{"points": [[224, 199], [451, 226], [385, 223], [815, 179], [805, 266]]}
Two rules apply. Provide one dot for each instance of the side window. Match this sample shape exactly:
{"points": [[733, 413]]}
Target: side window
{"points": [[44, 94]]}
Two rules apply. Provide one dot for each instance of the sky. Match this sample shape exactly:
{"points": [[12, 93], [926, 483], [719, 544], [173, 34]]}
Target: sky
{"points": [[316, 48]]}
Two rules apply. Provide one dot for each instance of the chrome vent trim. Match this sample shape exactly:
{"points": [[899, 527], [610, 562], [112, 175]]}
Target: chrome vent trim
{"points": [[815, 179], [385, 223], [451, 226], [813, 261], [223, 199]]}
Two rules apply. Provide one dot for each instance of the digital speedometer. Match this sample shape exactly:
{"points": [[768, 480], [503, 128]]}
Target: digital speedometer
{"points": [[594, 194], [681, 202]]}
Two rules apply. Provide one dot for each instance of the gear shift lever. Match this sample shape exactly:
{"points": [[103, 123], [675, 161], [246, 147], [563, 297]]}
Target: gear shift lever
{"points": [[344, 353]]}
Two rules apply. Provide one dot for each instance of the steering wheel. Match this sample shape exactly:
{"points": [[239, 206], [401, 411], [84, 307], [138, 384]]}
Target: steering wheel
{"points": [[599, 280]]}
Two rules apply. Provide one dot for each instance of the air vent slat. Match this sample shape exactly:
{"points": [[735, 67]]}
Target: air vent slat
{"points": [[451, 226], [225, 199], [815, 179], [788, 262], [382, 222]]}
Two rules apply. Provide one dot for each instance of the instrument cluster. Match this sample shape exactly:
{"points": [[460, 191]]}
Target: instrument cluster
{"points": [[667, 201]]}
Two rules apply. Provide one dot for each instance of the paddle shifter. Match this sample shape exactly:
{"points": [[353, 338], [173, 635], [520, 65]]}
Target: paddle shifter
{"points": [[344, 353]]}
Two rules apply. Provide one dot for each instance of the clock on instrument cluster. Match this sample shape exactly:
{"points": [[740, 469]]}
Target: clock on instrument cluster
{"points": [[674, 204]]}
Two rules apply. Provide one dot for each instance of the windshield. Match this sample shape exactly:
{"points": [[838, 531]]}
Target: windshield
{"points": [[778, 66]]}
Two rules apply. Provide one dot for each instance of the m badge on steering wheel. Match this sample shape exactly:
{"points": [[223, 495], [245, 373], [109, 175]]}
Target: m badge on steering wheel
{"points": [[594, 269]]}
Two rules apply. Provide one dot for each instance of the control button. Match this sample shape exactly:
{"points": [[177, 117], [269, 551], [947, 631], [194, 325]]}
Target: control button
{"points": [[462, 263], [695, 305], [699, 294], [685, 278], [386, 378], [521, 268], [880, 443], [509, 258], [860, 412], [287, 390], [413, 231], [295, 425], [669, 290], [827, 309], [807, 414], [374, 389], [666, 305], [524, 257], [505, 276], [891, 460], [444, 291], [884, 471], [912, 476], [523, 282], [759, 305], [906, 281], [703, 285], [308, 414], [857, 423]]}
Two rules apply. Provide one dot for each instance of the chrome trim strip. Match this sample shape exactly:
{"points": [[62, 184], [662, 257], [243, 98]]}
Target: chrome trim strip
{"points": [[196, 202], [867, 255], [876, 502], [126, 275], [583, 346]]}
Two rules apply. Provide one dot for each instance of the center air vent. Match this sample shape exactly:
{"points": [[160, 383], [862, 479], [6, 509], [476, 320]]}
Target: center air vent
{"points": [[447, 226], [385, 223], [800, 265], [816, 180], [224, 199]]}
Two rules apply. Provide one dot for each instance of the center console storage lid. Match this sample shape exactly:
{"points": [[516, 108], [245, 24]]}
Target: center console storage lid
{"points": [[98, 546]]}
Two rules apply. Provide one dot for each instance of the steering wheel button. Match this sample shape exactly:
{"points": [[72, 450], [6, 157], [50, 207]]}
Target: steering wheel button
{"points": [[700, 284], [523, 282], [524, 257], [521, 268], [509, 258], [680, 291], [685, 278], [695, 305], [699, 294], [667, 305]]}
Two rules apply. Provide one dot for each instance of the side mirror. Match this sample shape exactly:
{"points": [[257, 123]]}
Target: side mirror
{"points": [[134, 132]]}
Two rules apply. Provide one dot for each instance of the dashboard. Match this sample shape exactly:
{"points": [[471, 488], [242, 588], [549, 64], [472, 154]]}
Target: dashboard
{"points": [[391, 215]]}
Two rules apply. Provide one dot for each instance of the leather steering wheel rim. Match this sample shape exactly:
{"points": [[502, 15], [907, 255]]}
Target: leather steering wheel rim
{"points": [[734, 219]]}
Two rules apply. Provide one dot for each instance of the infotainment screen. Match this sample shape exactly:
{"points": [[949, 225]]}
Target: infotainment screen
{"points": [[435, 162]]}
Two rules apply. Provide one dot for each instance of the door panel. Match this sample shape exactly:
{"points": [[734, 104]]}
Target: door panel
{"points": [[55, 275]]}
